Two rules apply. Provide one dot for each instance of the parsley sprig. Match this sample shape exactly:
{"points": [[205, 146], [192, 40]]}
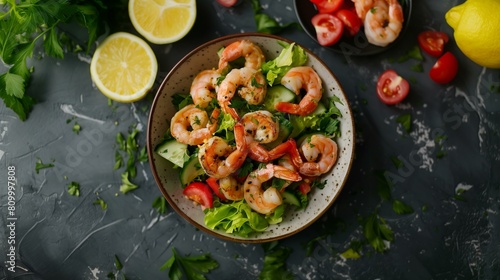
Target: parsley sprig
{"points": [[23, 24], [193, 266]]}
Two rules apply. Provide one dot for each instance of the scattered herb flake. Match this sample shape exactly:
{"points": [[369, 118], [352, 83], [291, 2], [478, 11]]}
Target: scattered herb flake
{"points": [[40, 165], [274, 266], [413, 53], [127, 186], [405, 121], [160, 204], [77, 128], [418, 68], [397, 162], [266, 24], [377, 232], [401, 208], [350, 254], [383, 185], [74, 189], [101, 202]]}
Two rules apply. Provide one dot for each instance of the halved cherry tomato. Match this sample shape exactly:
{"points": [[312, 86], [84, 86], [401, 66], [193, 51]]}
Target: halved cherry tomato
{"points": [[327, 6], [214, 185], [352, 23], [304, 188], [227, 3], [199, 193], [432, 42], [445, 69], [328, 28], [392, 88]]}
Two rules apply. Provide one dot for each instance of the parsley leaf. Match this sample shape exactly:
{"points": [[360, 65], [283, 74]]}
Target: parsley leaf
{"points": [[194, 267], [405, 121], [23, 24], [377, 232], [266, 24], [160, 204], [401, 208], [275, 264]]}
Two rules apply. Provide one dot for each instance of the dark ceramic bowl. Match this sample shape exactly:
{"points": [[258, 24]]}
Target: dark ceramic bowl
{"points": [[357, 45]]}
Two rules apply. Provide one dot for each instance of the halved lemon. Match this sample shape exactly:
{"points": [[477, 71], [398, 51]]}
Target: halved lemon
{"points": [[162, 21], [124, 67]]}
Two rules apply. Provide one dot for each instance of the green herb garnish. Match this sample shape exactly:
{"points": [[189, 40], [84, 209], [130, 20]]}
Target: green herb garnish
{"points": [[74, 189], [194, 267], [23, 25]]}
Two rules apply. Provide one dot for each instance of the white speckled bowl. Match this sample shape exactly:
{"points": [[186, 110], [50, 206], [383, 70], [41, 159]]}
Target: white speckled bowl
{"points": [[179, 80]]}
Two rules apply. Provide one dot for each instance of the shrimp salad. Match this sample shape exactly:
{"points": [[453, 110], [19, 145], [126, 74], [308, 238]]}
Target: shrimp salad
{"points": [[256, 136]]}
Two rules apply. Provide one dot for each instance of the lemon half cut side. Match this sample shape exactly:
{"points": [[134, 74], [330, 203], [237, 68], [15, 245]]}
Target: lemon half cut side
{"points": [[162, 21], [124, 67]]}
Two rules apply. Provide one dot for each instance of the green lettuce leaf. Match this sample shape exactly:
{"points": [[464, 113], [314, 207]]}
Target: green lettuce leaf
{"points": [[291, 56]]}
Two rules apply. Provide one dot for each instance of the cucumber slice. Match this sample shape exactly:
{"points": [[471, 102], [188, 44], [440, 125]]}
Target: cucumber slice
{"points": [[192, 169], [173, 151], [320, 109], [290, 198], [275, 94]]}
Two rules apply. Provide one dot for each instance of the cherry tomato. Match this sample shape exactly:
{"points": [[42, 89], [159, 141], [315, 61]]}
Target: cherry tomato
{"points": [[304, 188], [392, 88], [328, 28], [327, 6], [227, 3], [214, 185], [199, 193], [432, 42], [445, 69], [352, 23]]}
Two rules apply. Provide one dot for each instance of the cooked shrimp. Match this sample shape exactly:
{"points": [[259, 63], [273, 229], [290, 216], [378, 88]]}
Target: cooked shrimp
{"points": [[320, 153], [219, 159], [249, 83], [204, 87], [265, 201], [362, 7], [260, 126], [230, 188], [296, 79], [191, 125], [383, 22], [254, 57]]}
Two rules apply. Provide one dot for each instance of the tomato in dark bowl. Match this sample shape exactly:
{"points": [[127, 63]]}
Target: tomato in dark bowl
{"points": [[356, 45]]}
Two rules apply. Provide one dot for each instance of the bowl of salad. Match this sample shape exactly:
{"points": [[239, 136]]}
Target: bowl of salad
{"points": [[250, 137], [358, 29]]}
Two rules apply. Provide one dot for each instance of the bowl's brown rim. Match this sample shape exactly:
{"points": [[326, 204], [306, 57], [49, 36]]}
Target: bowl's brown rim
{"points": [[150, 149]]}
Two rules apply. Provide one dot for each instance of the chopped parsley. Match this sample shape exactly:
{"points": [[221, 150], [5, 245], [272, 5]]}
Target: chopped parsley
{"points": [[40, 165], [401, 208], [274, 266], [160, 204], [74, 189], [101, 202], [377, 232], [405, 121], [126, 185]]}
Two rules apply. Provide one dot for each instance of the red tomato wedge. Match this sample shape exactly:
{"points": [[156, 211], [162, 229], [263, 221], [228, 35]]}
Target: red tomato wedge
{"points": [[432, 42], [213, 183], [392, 88], [327, 6], [227, 3], [199, 193], [328, 28], [445, 69], [352, 23]]}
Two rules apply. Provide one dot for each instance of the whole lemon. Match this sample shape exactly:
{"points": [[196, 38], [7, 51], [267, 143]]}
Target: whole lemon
{"points": [[476, 25]]}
